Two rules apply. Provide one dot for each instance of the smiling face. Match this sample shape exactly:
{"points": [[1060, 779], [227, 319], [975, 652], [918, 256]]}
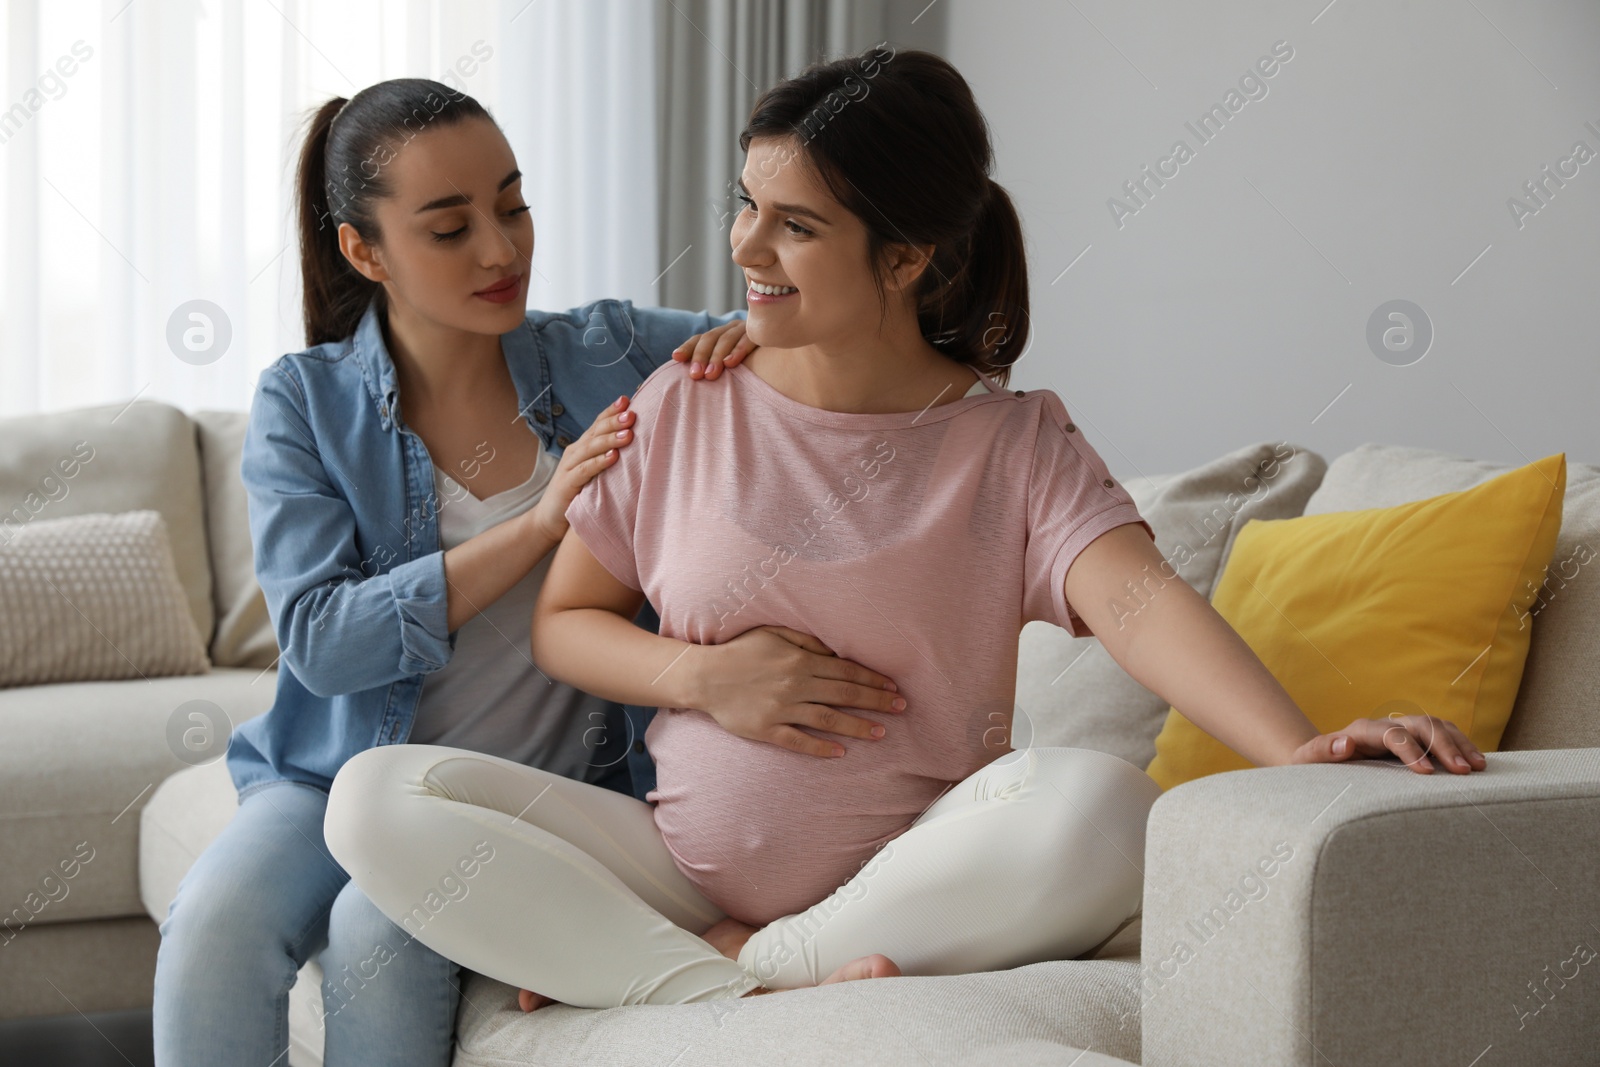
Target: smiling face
{"points": [[456, 237], [793, 234]]}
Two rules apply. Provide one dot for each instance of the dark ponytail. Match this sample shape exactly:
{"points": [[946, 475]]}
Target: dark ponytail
{"points": [[898, 139], [341, 174]]}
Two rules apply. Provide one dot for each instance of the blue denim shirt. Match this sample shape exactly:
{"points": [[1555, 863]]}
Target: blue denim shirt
{"points": [[344, 522]]}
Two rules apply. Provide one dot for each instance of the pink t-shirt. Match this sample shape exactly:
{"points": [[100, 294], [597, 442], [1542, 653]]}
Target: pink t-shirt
{"points": [[914, 543]]}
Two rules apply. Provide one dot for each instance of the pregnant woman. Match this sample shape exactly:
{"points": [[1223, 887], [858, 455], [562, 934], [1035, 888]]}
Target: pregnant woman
{"points": [[408, 476], [864, 477]]}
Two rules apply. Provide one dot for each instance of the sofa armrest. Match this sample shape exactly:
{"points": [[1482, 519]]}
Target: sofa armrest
{"points": [[1361, 913]]}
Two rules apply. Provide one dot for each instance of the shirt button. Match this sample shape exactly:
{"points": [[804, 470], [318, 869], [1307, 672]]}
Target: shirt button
{"points": [[638, 746], [1071, 428], [556, 409], [1021, 392], [563, 440], [539, 416], [1108, 483]]}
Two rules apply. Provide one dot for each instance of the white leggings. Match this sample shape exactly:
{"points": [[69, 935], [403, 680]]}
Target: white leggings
{"points": [[567, 889]]}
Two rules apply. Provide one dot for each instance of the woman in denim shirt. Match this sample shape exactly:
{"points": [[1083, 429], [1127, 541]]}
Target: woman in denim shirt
{"points": [[415, 247]]}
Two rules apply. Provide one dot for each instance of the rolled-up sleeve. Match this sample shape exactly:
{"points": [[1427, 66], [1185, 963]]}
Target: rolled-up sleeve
{"points": [[340, 630], [422, 606]]}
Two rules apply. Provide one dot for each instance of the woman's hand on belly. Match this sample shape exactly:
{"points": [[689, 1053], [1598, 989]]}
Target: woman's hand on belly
{"points": [[770, 679]]}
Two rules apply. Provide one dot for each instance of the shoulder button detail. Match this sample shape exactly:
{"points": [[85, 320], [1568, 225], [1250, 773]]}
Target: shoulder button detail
{"points": [[1108, 483], [1022, 392], [1072, 427], [556, 409]]}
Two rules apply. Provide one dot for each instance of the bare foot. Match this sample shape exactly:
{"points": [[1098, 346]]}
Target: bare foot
{"points": [[729, 936], [876, 965], [528, 1000]]}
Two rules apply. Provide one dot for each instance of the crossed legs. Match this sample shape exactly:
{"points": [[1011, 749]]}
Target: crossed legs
{"points": [[554, 885]]}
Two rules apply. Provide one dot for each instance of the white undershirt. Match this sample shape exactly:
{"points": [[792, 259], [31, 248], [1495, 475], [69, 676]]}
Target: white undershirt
{"points": [[490, 697]]}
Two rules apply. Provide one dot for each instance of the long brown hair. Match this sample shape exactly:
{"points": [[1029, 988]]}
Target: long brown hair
{"points": [[341, 173], [898, 139]]}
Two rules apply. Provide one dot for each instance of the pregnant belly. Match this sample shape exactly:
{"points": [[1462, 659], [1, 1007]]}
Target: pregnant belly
{"points": [[764, 832]]}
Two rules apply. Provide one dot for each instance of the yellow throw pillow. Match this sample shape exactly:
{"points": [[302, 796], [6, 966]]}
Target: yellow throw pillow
{"points": [[1416, 609]]}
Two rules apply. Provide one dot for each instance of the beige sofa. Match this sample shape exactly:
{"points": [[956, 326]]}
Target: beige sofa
{"points": [[80, 761], [1422, 919]]}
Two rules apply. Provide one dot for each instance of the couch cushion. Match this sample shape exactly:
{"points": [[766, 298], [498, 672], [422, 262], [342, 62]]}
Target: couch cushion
{"points": [[81, 759], [120, 457], [1069, 690], [244, 635], [499, 1033], [1558, 703], [489, 1032], [998, 1018]]}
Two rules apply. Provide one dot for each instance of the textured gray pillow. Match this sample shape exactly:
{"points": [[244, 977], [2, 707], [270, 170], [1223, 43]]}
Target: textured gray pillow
{"points": [[1558, 702], [1069, 690], [94, 597]]}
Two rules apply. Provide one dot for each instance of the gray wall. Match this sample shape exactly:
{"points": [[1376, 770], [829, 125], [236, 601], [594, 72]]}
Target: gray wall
{"points": [[1233, 306]]}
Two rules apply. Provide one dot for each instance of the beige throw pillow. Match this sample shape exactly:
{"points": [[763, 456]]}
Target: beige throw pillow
{"points": [[94, 597]]}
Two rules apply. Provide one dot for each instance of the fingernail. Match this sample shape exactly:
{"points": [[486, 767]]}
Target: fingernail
{"points": [[877, 731], [898, 703], [891, 687], [1425, 764], [838, 750], [1340, 744]]}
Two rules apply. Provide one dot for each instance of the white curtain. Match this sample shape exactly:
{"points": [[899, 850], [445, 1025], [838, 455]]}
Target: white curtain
{"points": [[149, 150]]}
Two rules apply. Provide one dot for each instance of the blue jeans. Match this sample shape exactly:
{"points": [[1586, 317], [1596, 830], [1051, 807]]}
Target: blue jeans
{"points": [[262, 899]]}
